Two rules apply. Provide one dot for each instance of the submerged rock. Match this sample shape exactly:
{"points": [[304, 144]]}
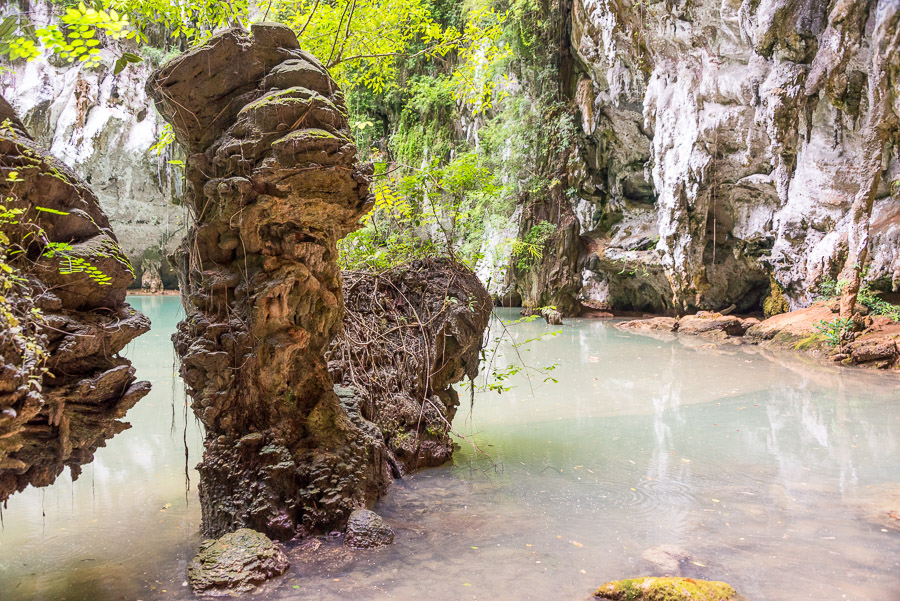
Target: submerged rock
{"points": [[367, 530], [666, 589], [552, 316], [63, 318], [880, 505], [235, 563], [667, 558]]}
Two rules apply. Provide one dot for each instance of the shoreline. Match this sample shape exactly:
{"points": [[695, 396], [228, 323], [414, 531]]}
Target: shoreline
{"points": [[876, 346]]}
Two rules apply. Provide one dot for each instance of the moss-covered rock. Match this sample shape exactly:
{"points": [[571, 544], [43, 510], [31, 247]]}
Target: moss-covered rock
{"points": [[775, 303], [236, 563], [665, 589]]}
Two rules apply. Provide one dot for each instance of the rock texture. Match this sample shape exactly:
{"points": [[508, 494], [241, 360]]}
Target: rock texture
{"points": [[63, 317], [367, 530], [102, 125], [408, 335], [732, 151], [272, 182], [666, 589], [235, 564]]}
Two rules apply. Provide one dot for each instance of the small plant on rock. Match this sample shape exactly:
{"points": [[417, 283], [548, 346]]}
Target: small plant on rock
{"points": [[836, 330]]}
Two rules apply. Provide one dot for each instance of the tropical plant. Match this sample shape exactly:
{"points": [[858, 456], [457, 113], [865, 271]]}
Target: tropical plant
{"points": [[836, 330]]}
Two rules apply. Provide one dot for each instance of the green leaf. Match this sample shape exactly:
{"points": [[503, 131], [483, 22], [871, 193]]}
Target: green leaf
{"points": [[8, 26]]}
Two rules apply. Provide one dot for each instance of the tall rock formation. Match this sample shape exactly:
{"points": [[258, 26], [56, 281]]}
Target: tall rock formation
{"points": [[63, 317], [272, 183], [732, 151]]}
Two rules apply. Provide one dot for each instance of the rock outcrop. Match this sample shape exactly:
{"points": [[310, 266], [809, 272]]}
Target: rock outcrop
{"points": [[734, 152], [870, 341], [409, 334], [272, 182], [235, 564], [63, 317]]}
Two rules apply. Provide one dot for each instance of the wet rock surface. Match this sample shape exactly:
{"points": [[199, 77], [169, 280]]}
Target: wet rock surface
{"points": [[408, 335], [273, 180], [666, 589], [367, 530], [235, 564], [63, 322]]}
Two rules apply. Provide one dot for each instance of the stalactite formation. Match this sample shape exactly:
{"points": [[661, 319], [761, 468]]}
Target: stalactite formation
{"points": [[63, 317]]}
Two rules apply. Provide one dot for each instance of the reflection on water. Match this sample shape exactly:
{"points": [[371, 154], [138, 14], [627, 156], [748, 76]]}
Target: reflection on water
{"points": [[126, 523], [752, 468]]}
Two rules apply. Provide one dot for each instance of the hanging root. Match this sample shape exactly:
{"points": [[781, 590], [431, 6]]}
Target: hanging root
{"points": [[408, 335]]}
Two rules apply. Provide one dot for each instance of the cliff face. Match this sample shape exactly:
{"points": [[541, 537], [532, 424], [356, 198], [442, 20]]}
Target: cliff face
{"points": [[63, 317], [723, 144], [102, 125]]}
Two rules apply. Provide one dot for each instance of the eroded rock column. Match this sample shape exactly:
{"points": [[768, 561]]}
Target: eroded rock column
{"points": [[272, 183], [63, 317]]}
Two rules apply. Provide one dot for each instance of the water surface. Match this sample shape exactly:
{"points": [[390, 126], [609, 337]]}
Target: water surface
{"points": [[743, 466]]}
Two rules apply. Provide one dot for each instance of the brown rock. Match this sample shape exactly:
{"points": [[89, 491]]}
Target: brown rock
{"points": [[866, 350], [70, 267], [706, 323], [654, 324], [273, 177]]}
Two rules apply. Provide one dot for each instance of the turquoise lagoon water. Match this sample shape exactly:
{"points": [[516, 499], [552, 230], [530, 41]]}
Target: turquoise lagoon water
{"points": [[646, 457]]}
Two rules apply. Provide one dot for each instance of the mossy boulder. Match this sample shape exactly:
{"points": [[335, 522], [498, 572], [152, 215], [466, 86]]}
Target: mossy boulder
{"points": [[666, 589], [236, 563]]}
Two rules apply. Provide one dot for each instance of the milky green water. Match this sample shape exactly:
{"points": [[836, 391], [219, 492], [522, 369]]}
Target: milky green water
{"points": [[648, 456]]}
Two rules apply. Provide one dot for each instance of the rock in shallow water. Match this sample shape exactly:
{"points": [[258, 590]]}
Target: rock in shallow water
{"points": [[367, 530], [666, 589], [236, 563]]}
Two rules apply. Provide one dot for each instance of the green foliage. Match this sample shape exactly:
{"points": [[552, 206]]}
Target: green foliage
{"points": [[423, 129], [829, 288], [77, 38], [497, 377], [531, 248], [189, 21], [836, 330], [876, 305], [436, 210], [475, 78]]}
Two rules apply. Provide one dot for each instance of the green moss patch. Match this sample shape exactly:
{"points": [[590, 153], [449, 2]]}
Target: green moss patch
{"points": [[665, 589]]}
